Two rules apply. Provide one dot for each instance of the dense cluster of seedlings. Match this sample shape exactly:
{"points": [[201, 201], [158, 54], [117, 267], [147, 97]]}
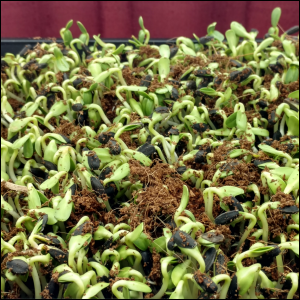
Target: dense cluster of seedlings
{"points": [[141, 171]]}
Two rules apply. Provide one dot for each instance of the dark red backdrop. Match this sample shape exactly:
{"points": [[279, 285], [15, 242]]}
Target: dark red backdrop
{"points": [[120, 19]]}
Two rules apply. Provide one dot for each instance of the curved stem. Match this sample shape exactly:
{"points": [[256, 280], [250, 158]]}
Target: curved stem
{"points": [[23, 287], [294, 278], [36, 281], [101, 113], [263, 219], [252, 222], [208, 200], [224, 289], [11, 165]]}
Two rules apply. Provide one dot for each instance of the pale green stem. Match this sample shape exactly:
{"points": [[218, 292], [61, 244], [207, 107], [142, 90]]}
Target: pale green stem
{"points": [[11, 165], [23, 287], [36, 281], [252, 222], [263, 219], [195, 253], [295, 282], [81, 255], [101, 113], [208, 200], [224, 289], [42, 277], [252, 294]]}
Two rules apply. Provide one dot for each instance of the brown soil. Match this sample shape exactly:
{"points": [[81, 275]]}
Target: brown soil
{"points": [[39, 51], [286, 89], [8, 235], [155, 274], [4, 132], [84, 71], [15, 104], [148, 208], [60, 77], [278, 44], [3, 77], [109, 105], [125, 137], [148, 52], [155, 84], [14, 293], [86, 204], [66, 128], [277, 222], [267, 81], [130, 78]]}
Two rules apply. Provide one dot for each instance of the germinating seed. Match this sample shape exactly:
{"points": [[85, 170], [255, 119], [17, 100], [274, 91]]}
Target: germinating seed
{"points": [[146, 171]]}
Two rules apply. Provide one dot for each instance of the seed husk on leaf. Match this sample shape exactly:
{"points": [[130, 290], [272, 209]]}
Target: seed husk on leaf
{"points": [[293, 209], [235, 204], [25, 50], [146, 81], [114, 147], [226, 217], [147, 262], [181, 170], [240, 76], [105, 137], [97, 186], [200, 156], [173, 51], [52, 288], [49, 165], [233, 288], [93, 160], [209, 258], [44, 223], [206, 283], [184, 240], [200, 127], [17, 266], [37, 172], [147, 149], [220, 265], [59, 255], [77, 107], [213, 237]]}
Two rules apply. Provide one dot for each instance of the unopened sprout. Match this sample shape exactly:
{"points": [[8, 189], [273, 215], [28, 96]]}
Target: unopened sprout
{"points": [[141, 168]]}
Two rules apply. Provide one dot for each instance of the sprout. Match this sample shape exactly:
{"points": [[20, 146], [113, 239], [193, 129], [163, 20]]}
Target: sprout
{"points": [[89, 178], [74, 278], [134, 286], [77, 241], [164, 265], [244, 281], [291, 283]]}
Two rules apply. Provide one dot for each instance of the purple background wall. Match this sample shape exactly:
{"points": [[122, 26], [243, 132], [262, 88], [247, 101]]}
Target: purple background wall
{"points": [[119, 19]]}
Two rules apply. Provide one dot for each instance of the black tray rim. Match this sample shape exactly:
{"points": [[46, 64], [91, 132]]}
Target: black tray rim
{"points": [[14, 45]]}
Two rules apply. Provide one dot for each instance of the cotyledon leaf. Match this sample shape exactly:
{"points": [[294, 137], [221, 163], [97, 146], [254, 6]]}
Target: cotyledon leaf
{"points": [[64, 208]]}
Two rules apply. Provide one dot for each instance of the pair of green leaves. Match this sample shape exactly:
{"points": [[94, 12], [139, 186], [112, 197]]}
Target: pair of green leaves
{"points": [[67, 34], [275, 16], [237, 119], [118, 174], [211, 31], [19, 125], [163, 68], [292, 74], [27, 143], [60, 61]]}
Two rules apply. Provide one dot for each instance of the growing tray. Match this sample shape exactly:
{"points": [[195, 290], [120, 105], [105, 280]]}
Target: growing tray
{"points": [[14, 45]]}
